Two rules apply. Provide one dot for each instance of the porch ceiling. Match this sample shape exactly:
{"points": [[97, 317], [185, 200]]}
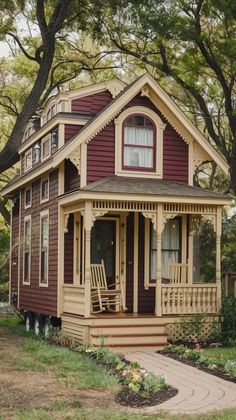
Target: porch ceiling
{"points": [[148, 186]]}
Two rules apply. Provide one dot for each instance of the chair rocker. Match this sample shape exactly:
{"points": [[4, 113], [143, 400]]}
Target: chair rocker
{"points": [[104, 297]]}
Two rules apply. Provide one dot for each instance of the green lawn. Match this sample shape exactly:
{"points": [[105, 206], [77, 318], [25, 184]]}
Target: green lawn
{"points": [[73, 371], [220, 355]]}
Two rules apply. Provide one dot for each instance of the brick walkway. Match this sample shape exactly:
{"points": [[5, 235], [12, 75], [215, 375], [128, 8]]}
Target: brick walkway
{"points": [[199, 392]]}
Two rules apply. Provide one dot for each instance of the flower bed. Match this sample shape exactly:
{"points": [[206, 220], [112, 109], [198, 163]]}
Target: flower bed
{"points": [[196, 358]]}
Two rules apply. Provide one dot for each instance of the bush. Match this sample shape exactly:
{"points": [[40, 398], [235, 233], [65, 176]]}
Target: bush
{"points": [[191, 328], [228, 313], [230, 367], [4, 292]]}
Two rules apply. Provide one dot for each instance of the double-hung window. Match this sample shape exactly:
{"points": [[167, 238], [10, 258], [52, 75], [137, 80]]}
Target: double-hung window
{"points": [[27, 250], [139, 143], [44, 247]]}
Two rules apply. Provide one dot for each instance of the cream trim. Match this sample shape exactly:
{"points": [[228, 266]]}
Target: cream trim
{"points": [[77, 249], [123, 233], [61, 135], [44, 140], [28, 153], [147, 254], [184, 239], [160, 126], [61, 177], [44, 214], [26, 219], [43, 179], [60, 262], [10, 263], [190, 163], [135, 266], [19, 252], [29, 188]]}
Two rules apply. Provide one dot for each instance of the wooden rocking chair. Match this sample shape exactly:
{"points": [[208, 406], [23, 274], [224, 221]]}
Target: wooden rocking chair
{"points": [[178, 272], [105, 297]]}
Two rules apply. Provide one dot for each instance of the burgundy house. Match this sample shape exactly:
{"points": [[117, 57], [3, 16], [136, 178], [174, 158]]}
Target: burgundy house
{"points": [[106, 194]]}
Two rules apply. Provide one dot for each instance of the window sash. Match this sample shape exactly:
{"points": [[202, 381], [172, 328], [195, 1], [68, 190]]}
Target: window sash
{"points": [[44, 247]]}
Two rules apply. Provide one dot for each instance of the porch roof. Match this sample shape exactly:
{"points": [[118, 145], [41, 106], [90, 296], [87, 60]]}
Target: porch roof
{"points": [[150, 186]]}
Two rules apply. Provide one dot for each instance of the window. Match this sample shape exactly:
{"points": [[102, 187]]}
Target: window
{"points": [[27, 250], [28, 159], [46, 147], [139, 143], [44, 240], [28, 197], [170, 247], [44, 190]]}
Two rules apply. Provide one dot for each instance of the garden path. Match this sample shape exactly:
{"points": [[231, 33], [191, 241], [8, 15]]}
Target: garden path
{"points": [[199, 392]]}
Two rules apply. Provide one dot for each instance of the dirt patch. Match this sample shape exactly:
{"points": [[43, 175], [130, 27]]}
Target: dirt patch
{"points": [[29, 389]]}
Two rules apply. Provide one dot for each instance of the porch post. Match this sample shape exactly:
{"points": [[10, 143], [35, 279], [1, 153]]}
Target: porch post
{"points": [[218, 256], [159, 229], [190, 251], [87, 248]]}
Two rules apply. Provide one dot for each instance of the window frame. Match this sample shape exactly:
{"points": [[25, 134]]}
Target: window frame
{"points": [[44, 200], [27, 206], [159, 126], [27, 219], [44, 140], [28, 153], [43, 214], [153, 148]]}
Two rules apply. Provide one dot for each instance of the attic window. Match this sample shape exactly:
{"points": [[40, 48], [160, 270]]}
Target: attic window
{"points": [[139, 143]]}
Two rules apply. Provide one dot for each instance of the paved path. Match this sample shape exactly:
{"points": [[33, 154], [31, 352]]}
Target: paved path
{"points": [[199, 392]]}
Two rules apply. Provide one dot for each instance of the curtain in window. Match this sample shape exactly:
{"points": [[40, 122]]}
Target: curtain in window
{"points": [[138, 156], [170, 247]]}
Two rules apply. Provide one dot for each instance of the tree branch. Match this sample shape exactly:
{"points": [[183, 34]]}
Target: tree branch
{"points": [[27, 55]]}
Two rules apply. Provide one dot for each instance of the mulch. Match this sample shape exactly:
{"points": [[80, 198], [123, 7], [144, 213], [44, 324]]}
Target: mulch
{"points": [[219, 372], [132, 399]]}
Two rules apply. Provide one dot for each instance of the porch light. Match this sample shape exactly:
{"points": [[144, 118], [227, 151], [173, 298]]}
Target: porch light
{"points": [[54, 138], [37, 150]]}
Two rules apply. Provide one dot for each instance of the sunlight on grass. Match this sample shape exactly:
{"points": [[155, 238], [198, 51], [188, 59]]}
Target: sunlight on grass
{"points": [[220, 355], [82, 372]]}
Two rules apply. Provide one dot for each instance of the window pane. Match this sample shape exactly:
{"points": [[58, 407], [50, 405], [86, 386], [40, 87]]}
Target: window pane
{"points": [[138, 136], [44, 189], [26, 266], [44, 232], [44, 266], [28, 160], [27, 197], [138, 157], [46, 148]]}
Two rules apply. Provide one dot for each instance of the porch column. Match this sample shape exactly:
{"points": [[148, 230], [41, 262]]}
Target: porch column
{"points": [[159, 229], [135, 269], [87, 249], [218, 256], [190, 251]]}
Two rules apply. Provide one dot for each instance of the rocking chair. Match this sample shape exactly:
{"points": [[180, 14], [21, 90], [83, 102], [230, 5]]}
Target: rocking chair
{"points": [[104, 297]]}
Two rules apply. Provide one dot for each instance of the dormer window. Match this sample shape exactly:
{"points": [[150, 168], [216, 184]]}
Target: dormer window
{"points": [[28, 160], [139, 143]]}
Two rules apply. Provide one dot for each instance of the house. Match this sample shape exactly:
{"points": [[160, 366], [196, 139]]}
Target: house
{"points": [[107, 176]]}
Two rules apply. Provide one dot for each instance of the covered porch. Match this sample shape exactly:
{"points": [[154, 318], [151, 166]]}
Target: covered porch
{"points": [[137, 238]]}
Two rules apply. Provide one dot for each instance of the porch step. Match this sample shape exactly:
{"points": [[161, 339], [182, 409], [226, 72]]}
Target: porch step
{"points": [[127, 329], [127, 339], [134, 347]]}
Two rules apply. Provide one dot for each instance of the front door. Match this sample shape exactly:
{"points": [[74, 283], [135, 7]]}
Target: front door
{"points": [[104, 241]]}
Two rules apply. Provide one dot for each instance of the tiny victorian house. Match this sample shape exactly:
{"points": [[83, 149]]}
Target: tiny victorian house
{"points": [[106, 220]]}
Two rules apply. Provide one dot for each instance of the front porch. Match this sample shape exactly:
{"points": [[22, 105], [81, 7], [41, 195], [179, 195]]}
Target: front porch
{"points": [[136, 225]]}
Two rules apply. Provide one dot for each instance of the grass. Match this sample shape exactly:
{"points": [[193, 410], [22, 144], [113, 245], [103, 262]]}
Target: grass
{"points": [[220, 355]]}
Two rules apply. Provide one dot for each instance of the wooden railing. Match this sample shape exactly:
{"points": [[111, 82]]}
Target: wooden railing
{"points": [[184, 299], [73, 299]]}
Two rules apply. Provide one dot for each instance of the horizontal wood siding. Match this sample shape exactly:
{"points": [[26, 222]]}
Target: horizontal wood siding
{"points": [[101, 150], [33, 297], [71, 130], [14, 247], [72, 178], [101, 154], [91, 103], [130, 262], [146, 298], [68, 251]]}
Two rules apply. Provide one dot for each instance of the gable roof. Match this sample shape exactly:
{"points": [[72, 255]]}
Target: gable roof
{"points": [[176, 117]]}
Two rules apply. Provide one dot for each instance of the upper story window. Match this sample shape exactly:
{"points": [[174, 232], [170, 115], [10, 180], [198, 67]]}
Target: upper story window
{"points": [[139, 143], [28, 197], [46, 147], [44, 190], [27, 250], [28, 159]]}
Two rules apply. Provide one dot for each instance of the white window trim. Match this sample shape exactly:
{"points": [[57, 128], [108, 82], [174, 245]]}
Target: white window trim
{"points": [[44, 140], [29, 152], [27, 206], [44, 200], [27, 283], [160, 126], [42, 215]]}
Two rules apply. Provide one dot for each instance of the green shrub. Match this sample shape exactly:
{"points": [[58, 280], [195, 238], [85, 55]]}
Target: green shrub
{"points": [[191, 328], [228, 313], [230, 367], [4, 292], [174, 349], [193, 355]]}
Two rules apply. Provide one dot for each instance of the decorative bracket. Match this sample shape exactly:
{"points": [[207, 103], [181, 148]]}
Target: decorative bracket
{"points": [[75, 158], [152, 217], [96, 214], [66, 220], [145, 91], [168, 216], [210, 218]]}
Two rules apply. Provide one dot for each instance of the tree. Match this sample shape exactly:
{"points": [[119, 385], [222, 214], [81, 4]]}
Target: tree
{"points": [[190, 46]]}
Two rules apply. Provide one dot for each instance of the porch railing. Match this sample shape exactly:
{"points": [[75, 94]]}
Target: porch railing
{"points": [[73, 299], [183, 299]]}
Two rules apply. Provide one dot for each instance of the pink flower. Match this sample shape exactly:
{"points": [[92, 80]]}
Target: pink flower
{"points": [[125, 372], [197, 346]]}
